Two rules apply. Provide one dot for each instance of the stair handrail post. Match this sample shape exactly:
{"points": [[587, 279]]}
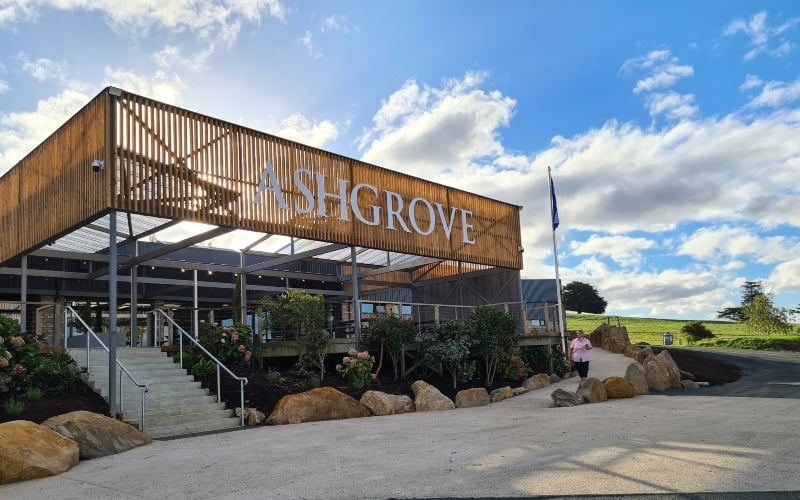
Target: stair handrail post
{"points": [[144, 388], [219, 388], [181, 332]]}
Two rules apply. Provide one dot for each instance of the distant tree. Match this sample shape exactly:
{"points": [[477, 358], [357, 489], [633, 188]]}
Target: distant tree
{"points": [[763, 318], [695, 331], [750, 290], [583, 297]]}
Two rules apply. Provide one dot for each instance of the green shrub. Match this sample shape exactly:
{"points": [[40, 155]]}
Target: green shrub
{"points": [[34, 394], [313, 347], [13, 408], [447, 346], [389, 333], [57, 373], [695, 331], [203, 368], [274, 376], [495, 337], [538, 359], [232, 345]]}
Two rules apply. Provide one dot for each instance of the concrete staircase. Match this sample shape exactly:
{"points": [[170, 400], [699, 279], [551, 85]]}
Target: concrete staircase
{"points": [[175, 404]]}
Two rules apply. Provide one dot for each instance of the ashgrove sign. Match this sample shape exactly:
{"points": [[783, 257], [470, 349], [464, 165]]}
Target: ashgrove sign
{"points": [[419, 215]]}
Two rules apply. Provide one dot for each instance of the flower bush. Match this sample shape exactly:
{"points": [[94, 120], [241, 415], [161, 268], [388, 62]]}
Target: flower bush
{"points": [[357, 368], [230, 344], [19, 356]]}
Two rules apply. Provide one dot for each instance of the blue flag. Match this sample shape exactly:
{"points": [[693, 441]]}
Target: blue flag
{"points": [[553, 206]]}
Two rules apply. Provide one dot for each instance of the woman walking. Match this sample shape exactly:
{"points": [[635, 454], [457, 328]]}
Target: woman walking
{"points": [[579, 353]]}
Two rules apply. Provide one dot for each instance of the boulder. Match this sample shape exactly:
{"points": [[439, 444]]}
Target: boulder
{"points": [[554, 379], [670, 367], [30, 451], [321, 403], [252, 416], [519, 390], [501, 394], [97, 435], [428, 397], [687, 376], [562, 398], [538, 381], [635, 375], [611, 338], [477, 396], [592, 390], [618, 388], [644, 353], [380, 403], [655, 374], [689, 384]]}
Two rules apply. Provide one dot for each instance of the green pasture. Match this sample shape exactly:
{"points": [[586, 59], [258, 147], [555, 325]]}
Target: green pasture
{"points": [[651, 331]]}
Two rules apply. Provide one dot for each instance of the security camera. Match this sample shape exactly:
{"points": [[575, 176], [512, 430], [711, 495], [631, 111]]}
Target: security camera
{"points": [[98, 165]]}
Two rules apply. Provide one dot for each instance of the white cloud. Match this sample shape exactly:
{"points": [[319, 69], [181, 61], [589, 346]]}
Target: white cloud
{"points": [[160, 86], [776, 94], [761, 35], [4, 87], [675, 106], [173, 56], [426, 131], [724, 242], [663, 68], [299, 128], [624, 250], [307, 42], [751, 82], [20, 132]]}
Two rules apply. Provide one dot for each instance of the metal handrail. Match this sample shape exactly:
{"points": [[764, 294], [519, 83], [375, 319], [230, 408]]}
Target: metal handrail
{"points": [[242, 380], [142, 387]]}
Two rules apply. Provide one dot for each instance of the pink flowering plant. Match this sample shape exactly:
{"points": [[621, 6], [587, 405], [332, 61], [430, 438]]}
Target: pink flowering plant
{"points": [[19, 355], [357, 368], [233, 345]]}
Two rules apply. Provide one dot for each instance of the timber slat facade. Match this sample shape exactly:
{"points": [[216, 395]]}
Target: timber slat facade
{"points": [[164, 161]]}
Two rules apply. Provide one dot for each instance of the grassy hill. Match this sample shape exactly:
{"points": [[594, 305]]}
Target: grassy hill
{"points": [[651, 331]]}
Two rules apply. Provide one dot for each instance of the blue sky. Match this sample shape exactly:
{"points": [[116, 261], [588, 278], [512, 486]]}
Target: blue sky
{"points": [[671, 127]]}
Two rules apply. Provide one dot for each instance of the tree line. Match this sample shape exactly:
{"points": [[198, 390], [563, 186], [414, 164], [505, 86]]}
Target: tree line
{"points": [[757, 310]]}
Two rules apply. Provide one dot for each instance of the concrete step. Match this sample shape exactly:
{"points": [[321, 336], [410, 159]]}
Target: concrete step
{"points": [[175, 405], [190, 418], [192, 428], [175, 410]]}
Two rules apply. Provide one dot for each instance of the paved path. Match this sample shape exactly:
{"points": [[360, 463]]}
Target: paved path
{"points": [[648, 445]]}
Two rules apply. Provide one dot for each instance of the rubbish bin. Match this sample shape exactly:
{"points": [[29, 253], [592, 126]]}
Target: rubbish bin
{"points": [[667, 338]]}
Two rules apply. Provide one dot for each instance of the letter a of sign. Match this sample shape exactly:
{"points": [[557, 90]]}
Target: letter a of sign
{"points": [[274, 186]]}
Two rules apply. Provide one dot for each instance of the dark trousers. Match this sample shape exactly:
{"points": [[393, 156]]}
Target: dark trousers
{"points": [[583, 368]]}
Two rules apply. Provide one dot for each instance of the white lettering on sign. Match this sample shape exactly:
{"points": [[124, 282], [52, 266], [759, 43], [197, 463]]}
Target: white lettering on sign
{"points": [[398, 215]]}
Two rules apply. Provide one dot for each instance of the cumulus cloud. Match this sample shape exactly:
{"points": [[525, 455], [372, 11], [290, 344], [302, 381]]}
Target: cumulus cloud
{"points": [[20, 132], [301, 129], [733, 172]]}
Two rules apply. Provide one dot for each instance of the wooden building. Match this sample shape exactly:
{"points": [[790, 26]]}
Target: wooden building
{"points": [[83, 217]]}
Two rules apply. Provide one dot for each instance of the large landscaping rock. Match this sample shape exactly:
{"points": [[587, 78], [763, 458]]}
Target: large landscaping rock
{"points": [[670, 367], [322, 403], [30, 451], [635, 375], [380, 403], [429, 398], [476, 396], [97, 435], [618, 388], [592, 390], [562, 398], [538, 381], [655, 374]]}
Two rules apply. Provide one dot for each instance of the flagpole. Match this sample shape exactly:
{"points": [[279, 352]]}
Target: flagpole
{"points": [[555, 222]]}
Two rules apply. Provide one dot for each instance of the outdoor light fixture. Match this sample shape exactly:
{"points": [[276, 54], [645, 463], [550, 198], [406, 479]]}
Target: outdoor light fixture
{"points": [[98, 165]]}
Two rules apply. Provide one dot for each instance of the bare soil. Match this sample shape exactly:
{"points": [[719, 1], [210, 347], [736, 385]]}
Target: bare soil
{"points": [[263, 393]]}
